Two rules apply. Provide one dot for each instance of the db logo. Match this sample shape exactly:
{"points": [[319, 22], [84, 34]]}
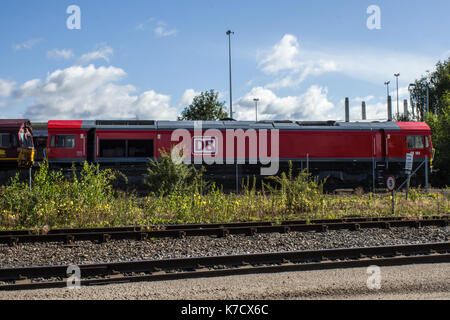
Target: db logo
{"points": [[204, 145]]}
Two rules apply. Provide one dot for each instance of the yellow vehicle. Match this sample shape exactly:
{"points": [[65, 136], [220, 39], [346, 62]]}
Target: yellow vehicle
{"points": [[16, 144]]}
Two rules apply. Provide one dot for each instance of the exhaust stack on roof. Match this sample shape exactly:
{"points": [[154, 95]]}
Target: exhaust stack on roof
{"points": [[405, 108], [389, 102], [347, 110], [363, 110]]}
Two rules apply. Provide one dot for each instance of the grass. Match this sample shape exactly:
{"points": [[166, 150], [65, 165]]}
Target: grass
{"points": [[88, 200]]}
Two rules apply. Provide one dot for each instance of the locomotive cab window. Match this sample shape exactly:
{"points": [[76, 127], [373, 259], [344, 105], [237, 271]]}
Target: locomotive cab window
{"points": [[415, 142], [63, 141], [5, 140]]}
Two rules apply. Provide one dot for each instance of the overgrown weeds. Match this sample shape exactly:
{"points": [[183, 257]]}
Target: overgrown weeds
{"points": [[86, 199]]}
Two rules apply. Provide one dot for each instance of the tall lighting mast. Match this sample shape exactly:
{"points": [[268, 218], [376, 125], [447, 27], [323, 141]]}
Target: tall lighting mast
{"points": [[398, 110], [229, 33]]}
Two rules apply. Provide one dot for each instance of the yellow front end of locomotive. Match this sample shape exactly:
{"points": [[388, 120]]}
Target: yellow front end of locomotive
{"points": [[26, 157]]}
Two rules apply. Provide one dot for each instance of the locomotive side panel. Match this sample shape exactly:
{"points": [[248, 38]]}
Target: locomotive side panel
{"points": [[125, 145], [327, 145]]}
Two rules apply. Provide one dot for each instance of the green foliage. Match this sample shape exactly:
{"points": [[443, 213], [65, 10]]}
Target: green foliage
{"points": [[87, 200], [440, 135], [438, 84], [166, 177], [205, 106], [55, 200], [300, 193]]}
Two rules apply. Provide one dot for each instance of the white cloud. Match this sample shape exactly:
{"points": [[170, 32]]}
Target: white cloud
{"points": [[291, 65], [91, 93], [162, 31], [29, 44], [63, 54], [284, 55], [2, 104], [143, 25], [104, 52], [6, 88], [311, 105], [187, 98], [378, 66]]}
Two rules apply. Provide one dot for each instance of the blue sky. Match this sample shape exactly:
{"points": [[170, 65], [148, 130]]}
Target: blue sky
{"points": [[147, 59]]}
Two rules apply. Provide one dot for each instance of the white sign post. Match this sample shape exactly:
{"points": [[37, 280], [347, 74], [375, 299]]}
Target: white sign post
{"points": [[390, 184], [408, 167]]}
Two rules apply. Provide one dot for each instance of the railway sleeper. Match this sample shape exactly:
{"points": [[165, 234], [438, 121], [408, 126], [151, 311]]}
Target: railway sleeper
{"points": [[22, 280], [223, 233], [69, 239], [13, 241], [116, 275], [104, 237]]}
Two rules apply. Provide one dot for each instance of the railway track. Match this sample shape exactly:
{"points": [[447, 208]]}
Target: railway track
{"points": [[169, 269], [101, 235]]}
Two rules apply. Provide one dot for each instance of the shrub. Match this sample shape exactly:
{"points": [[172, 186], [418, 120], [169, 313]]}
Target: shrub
{"points": [[166, 177], [300, 193]]}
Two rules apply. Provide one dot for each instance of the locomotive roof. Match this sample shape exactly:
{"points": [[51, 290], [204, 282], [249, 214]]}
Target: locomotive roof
{"points": [[14, 124], [275, 124]]}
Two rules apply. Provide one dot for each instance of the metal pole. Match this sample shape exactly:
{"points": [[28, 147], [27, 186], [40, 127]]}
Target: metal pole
{"points": [[256, 108], [426, 174], [237, 176], [307, 163], [407, 184], [29, 177], [373, 175], [229, 32], [393, 202], [387, 88], [398, 110]]}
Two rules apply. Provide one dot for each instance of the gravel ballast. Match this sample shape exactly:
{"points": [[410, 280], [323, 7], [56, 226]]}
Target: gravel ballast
{"points": [[86, 252]]}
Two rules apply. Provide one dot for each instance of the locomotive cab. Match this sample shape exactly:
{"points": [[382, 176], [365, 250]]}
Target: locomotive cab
{"points": [[16, 143]]}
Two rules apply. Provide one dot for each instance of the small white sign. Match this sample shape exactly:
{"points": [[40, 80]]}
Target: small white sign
{"points": [[409, 161], [390, 183], [204, 145]]}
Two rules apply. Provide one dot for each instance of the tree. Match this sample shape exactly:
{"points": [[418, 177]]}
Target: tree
{"points": [[438, 118], [440, 136], [438, 83], [205, 106]]}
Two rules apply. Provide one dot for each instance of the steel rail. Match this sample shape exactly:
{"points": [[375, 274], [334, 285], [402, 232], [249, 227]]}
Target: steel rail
{"points": [[222, 231], [182, 268], [211, 225]]}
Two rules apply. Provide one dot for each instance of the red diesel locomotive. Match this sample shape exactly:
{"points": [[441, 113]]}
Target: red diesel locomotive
{"points": [[347, 153]]}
